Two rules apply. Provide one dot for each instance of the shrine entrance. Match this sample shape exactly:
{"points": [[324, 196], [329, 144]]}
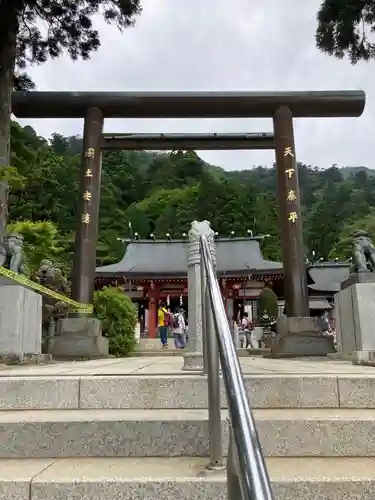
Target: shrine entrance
{"points": [[282, 107]]}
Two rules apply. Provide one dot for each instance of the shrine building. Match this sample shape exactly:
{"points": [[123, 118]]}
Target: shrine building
{"points": [[157, 269], [152, 270]]}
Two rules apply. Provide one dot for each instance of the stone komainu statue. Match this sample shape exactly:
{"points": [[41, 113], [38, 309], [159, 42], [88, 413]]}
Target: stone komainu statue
{"points": [[52, 278], [363, 253], [11, 253]]}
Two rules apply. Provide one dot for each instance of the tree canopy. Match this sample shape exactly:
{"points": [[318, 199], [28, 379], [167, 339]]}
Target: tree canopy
{"points": [[66, 26], [346, 27], [32, 31], [163, 193]]}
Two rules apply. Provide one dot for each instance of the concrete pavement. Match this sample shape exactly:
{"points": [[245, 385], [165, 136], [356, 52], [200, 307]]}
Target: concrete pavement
{"points": [[164, 365]]}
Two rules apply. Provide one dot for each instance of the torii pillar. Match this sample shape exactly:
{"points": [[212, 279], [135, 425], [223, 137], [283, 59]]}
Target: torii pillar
{"points": [[84, 262], [298, 333], [80, 336]]}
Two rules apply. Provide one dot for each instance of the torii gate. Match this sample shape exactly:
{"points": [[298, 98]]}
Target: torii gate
{"points": [[282, 107]]}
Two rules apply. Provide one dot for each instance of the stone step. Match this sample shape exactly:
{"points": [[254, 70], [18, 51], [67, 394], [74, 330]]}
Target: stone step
{"points": [[177, 432], [182, 478], [172, 351], [182, 391], [147, 345]]}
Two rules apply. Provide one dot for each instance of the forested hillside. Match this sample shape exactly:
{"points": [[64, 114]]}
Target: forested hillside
{"points": [[160, 193]]}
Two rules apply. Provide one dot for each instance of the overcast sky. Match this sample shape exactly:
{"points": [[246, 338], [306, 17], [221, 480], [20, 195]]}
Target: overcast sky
{"points": [[207, 45]]}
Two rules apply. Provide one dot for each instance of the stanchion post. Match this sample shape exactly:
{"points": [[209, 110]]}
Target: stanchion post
{"points": [[214, 400], [204, 315], [233, 480], [211, 356]]}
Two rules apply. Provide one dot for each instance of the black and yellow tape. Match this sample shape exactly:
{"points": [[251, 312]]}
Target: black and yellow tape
{"points": [[22, 280]]}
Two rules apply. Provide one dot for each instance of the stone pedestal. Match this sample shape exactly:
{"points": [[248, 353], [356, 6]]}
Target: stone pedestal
{"points": [[20, 321], [355, 278], [256, 337], [79, 338], [299, 336], [355, 318], [193, 359]]}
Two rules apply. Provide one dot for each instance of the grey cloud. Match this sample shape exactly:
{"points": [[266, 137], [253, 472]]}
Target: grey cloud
{"points": [[209, 46]]}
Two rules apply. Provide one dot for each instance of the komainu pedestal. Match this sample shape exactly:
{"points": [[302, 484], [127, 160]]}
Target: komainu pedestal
{"points": [[355, 318], [20, 320], [300, 336], [79, 338], [355, 304]]}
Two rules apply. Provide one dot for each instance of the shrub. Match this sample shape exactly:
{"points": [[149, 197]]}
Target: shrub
{"points": [[268, 308], [119, 317]]}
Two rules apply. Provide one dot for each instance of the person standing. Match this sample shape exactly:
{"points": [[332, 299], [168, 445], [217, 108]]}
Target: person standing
{"points": [[246, 328], [237, 336], [184, 336], [163, 323], [179, 330], [137, 333]]}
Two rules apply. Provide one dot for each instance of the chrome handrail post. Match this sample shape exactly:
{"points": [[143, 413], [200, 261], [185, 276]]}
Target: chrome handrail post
{"points": [[233, 480], [211, 355], [205, 305], [252, 470]]}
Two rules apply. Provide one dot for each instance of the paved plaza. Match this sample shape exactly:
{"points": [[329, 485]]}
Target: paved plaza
{"points": [[164, 365]]}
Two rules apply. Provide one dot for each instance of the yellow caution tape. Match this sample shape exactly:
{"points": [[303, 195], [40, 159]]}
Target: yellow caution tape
{"points": [[19, 278]]}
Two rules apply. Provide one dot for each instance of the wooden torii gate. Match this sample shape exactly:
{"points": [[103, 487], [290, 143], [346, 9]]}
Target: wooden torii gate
{"points": [[282, 107]]}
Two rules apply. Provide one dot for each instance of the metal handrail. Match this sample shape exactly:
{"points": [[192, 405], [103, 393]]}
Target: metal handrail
{"points": [[245, 457]]}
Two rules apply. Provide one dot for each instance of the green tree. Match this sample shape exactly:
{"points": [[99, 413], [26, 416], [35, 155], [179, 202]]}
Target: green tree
{"points": [[31, 31], [178, 169], [44, 189], [119, 317], [40, 242], [342, 249], [336, 204], [266, 222], [345, 27], [267, 306], [11, 176]]}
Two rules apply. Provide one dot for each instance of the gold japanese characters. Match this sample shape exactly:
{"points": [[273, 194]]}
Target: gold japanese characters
{"points": [[288, 151], [292, 193], [85, 218], [87, 195], [90, 153], [293, 216], [289, 172]]}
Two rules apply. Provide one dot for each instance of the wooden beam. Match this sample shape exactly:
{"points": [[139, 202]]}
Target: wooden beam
{"points": [[200, 142], [188, 104]]}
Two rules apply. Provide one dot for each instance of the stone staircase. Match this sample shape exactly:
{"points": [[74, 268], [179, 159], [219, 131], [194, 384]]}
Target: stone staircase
{"points": [[80, 436]]}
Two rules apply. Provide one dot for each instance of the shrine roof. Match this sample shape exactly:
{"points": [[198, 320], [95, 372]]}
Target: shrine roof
{"points": [[318, 304], [169, 257], [327, 276]]}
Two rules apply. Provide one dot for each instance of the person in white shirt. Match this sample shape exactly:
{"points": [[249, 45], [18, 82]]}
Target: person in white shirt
{"points": [[244, 337], [245, 321], [137, 333], [179, 328]]}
